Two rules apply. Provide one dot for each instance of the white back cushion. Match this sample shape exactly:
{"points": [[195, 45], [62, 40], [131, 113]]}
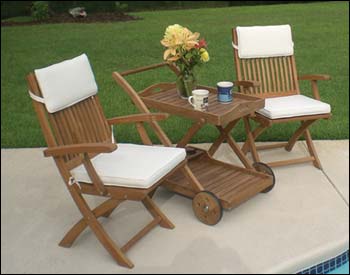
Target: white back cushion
{"points": [[264, 41], [66, 83]]}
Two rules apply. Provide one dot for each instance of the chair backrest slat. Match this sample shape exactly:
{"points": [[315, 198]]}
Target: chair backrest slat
{"points": [[83, 122], [284, 60], [263, 78], [277, 75]]}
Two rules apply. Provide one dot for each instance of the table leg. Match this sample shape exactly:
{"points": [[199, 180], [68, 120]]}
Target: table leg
{"points": [[190, 133], [250, 139], [225, 135], [215, 146], [246, 162], [257, 132], [191, 178]]}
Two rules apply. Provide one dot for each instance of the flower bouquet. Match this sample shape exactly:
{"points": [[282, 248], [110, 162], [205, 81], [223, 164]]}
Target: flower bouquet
{"points": [[185, 50]]}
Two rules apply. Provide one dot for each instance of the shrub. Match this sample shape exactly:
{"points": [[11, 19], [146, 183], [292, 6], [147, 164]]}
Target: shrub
{"points": [[40, 10], [15, 8], [120, 7]]}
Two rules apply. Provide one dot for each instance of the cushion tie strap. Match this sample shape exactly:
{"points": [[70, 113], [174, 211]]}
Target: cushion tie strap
{"points": [[72, 181], [234, 46], [36, 98], [112, 135]]}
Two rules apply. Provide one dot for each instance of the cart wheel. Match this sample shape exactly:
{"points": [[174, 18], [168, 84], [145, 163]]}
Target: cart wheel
{"points": [[264, 168], [207, 207]]}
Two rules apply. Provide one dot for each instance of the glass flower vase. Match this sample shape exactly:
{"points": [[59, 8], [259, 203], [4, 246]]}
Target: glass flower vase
{"points": [[185, 84]]}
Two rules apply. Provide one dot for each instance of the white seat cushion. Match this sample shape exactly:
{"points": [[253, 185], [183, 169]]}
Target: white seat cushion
{"points": [[264, 41], [131, 165], [66, 83], [292, 106]]}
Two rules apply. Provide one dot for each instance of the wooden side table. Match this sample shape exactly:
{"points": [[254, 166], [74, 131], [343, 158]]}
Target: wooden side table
{"points": [[223, 116], [213, 185], [223, 185]]}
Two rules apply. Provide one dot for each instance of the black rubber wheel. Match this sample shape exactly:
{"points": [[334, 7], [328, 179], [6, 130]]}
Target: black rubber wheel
{"points": [[264, 168], [207, 208]]}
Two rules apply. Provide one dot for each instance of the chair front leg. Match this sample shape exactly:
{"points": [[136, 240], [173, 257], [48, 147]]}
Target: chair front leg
{"points": [[303, 127], [91, 220]]}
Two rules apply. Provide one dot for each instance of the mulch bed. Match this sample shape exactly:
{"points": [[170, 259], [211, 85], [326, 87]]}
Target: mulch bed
{"points": [[67, 18]]}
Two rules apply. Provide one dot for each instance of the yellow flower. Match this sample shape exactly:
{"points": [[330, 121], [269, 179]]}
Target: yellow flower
{"points": [[189, 39], [177, 39], [204, 55], [172, 36]]}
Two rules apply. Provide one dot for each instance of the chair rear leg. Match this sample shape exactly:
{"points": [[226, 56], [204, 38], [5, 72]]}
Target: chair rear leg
{"points": [[157, 213], [300, 131], [109, 212], [106, 207], [312, 150]]}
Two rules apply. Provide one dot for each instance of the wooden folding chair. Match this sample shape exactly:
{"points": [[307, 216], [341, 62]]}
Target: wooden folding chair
{"points": [[264, 60], [80, 140]]}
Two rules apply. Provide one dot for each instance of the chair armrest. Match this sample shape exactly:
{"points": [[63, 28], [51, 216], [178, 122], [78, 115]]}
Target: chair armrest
{"points": [[314, 77], [147, 117], [313, 80], [247, 83], [80, 148]]}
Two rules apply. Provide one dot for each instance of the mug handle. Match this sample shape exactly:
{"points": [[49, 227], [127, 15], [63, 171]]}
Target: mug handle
{"points": [[190, 100]]}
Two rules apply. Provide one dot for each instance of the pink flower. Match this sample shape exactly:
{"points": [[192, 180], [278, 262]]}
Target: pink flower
{"points": [[201, 44]]}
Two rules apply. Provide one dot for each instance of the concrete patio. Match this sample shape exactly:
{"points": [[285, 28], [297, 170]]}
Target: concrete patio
{"points": [[302, 222]]}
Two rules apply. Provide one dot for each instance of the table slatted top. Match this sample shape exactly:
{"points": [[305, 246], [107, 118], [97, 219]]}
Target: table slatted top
{"points": [[218, 113]]}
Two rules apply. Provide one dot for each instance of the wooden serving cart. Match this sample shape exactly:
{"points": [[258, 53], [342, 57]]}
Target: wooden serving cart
{"points": [[218, 185]]}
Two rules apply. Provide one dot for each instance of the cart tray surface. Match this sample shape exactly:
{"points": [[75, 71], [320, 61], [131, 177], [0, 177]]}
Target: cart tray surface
{"points": [[167, 100], [231, 184]]}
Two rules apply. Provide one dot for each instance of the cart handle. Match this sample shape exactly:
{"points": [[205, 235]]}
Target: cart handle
{"points": [[150, 67]]}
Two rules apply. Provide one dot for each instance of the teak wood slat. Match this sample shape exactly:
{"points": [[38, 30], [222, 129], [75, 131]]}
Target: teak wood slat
{"points": [[278, 77], [232, 185]]}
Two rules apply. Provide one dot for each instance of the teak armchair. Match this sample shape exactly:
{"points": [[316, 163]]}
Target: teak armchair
{"points": [[264, 60], [80, 140]]}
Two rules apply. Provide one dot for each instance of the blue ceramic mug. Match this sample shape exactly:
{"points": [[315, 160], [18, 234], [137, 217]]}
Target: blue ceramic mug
{"points": [[225, 91]]}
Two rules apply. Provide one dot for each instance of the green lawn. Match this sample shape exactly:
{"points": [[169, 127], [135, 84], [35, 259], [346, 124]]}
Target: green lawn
{"points": [[320, 33]]}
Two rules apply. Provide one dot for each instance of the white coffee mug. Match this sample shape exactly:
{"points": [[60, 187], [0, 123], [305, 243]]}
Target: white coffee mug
{"points": [[199, 99]]}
